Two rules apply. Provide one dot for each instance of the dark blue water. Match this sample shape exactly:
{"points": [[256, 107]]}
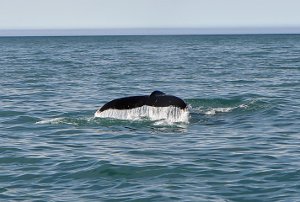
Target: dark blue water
{"points": [[242, 142]]}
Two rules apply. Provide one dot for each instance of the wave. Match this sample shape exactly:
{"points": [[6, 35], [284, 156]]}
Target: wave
{"points": [[216, 106], [216, 110], [51, 121], [77, 121]]}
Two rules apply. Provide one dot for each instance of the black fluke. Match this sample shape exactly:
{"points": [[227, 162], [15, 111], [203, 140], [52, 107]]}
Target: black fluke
{"points": [[155, 99]]}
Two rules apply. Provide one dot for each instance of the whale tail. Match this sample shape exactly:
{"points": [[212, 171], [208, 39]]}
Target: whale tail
{"points": [[156, 99]]}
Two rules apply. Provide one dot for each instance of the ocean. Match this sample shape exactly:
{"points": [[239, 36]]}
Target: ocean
{"points": [[241, 141]]}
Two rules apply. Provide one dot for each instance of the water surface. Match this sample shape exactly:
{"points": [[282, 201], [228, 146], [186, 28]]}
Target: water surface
{"points": [[241, 142]]}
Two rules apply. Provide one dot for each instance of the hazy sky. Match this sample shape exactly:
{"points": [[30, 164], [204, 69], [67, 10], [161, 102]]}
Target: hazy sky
{"points": [[98, 14]]}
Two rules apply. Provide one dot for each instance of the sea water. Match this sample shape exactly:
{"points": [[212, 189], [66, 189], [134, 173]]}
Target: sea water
{"points": [[240, 140]]}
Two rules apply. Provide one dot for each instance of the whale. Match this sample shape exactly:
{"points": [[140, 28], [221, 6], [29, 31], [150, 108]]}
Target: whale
{"points": [[157, 106], [155, 99]]}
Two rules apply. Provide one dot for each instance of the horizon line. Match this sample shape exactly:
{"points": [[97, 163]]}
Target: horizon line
{"points": [[149, 31]]}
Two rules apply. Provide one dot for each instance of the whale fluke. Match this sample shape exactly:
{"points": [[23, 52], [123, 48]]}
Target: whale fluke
{"points": [[155, 99]]}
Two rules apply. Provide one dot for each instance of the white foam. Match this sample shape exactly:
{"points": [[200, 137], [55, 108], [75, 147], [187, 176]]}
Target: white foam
{"points": [[50, 121], [219, 109], [169, 114], [213, 111]]}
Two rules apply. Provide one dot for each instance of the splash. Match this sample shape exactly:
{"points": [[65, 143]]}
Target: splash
{"points": [[78, 121], [50, 121], [167, 114], [216, 110], [219, 110], [213, 111]]}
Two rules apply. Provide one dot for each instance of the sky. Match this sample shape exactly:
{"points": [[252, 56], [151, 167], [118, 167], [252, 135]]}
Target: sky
{"points": [[148, 14]]}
